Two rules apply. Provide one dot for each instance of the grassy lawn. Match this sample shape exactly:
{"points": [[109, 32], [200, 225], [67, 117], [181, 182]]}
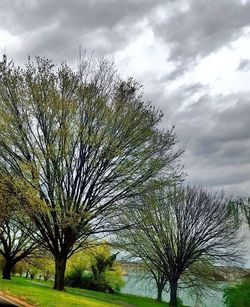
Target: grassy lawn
{"points": [[42, 294]]}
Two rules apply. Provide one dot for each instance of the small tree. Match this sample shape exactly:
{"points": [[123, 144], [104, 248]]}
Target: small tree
{"points": [[16, 242], [176, 229], [84, 141], [43, 262], [15, 245]]}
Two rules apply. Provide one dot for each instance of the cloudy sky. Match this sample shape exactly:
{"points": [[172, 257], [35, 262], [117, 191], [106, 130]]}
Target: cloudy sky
{"points": [[192, 56]]}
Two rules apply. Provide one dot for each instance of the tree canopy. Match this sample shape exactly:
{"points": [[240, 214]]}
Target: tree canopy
{"points": [[82, 141], [178, 231]]}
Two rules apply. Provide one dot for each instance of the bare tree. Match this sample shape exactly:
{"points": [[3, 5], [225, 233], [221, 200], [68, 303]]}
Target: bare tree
{"points": [[176, 231], [82, 142]]}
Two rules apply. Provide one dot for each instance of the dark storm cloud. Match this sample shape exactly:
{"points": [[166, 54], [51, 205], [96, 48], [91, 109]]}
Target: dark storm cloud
{"points": [[216, 130], [57, 28], [215, 135], [87, 14], [201, 28]]}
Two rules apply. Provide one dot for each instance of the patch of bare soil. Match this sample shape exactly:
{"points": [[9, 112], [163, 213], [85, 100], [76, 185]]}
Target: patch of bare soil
{"points": [[15, 299]]}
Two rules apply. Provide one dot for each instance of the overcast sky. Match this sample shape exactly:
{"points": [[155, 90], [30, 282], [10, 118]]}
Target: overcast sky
{"points": [[193, 58]]}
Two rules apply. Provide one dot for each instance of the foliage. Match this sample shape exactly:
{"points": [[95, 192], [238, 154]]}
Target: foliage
{"points": [[200, 278], [238, 295], [179, 232], [81, 142], [114, 278], [16, 242], [95, 269], [240, 210], [42, 265], [18, 268]]}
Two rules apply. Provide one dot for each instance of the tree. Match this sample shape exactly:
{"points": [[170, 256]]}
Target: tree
{"points": [[177, 230], [83, 141], [15, 245], [15, 240], [42, 263], [240, 209]]}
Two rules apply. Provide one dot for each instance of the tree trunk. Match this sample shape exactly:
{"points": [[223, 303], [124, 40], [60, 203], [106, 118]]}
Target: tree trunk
{"points": [[60, 266], [173, 293], [7, 269], [159, 292]]}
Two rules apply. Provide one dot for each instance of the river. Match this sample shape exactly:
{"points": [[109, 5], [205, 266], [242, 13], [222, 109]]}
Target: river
{"points": [[137, 286]]}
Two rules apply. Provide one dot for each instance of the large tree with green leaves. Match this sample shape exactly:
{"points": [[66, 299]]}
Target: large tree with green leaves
{"points": [[82, 142]]}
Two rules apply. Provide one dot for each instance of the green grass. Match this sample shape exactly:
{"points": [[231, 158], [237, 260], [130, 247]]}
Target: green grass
{"points": [[41, 294]]}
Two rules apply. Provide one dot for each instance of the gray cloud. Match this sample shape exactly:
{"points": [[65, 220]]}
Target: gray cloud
{"points": [[216, 130], [202, 28], [171, 102], [57, 28], [244, 65], [83, 14]]}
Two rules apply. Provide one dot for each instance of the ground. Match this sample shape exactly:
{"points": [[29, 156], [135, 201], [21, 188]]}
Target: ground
{"points": [[41, 294]]}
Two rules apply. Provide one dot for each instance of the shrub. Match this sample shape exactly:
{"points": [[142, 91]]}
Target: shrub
{"points": [[111, 282], [95, 269], [238, 295], [75, 278], [114, 279]]}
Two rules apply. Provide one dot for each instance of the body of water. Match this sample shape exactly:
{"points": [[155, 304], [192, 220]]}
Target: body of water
{"points": [[135, 285]]}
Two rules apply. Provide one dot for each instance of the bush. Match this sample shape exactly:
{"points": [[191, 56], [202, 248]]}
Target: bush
{"points": [[114, 279], [238, 295], [111, 282], [75, 278], [95, 269]]}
